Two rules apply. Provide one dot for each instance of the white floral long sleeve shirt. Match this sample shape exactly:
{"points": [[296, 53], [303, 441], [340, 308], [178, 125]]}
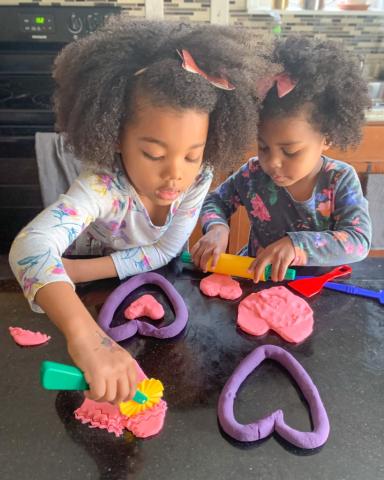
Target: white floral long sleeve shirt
{"points": [[101, 214]]}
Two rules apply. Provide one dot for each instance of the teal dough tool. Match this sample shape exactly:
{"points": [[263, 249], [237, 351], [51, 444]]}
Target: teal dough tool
{"points": [[57, 376]]}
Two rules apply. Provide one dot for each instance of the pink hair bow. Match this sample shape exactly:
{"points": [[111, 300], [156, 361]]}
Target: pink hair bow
{"points": [[284, 85], [190, 66]]}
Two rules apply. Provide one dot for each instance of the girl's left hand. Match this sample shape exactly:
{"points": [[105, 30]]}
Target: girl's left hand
{"points": [[279, 254]]}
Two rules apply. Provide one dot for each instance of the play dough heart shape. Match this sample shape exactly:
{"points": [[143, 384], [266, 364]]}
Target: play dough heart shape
{"points": [[128, 329], [27, 338], [277, 309], [275, 421], [223, 286], [145, 306]]}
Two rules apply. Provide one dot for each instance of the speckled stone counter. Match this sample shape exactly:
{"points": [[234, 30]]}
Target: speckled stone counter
{"points": [[40, 439]]}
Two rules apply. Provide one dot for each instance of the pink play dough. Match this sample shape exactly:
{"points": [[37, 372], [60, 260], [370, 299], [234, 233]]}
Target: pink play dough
{"points": [[27, 338], [106, 416], [145, 306], [276, 309], [223, 286]]}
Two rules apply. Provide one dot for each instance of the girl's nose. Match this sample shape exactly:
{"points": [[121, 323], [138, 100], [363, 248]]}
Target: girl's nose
{"points": [[173, 170]]}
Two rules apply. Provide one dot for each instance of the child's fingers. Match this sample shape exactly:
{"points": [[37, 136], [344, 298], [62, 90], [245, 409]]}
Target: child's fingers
{"points": [[205, 257], [215, 256], [132, 380], [123, 389], [275, 270], [259, 266], [111, 390], [97, 389]]}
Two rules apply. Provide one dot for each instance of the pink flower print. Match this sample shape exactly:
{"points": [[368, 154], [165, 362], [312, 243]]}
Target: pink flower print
{"points": [[253, 165], [324, 208], [356, 221], [361, 250], [209, 216], [349, 248], [245, 174], [330, 166], [259, 209], [30, 284], [63, 210], [57, 269]]}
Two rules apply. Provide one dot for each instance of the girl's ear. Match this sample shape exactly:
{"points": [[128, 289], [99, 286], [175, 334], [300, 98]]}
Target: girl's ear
{"points": [[326, 144]]}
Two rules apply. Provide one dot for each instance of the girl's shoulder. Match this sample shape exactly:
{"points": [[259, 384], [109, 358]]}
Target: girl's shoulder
{"points": [[337, 170], [105, 183]]}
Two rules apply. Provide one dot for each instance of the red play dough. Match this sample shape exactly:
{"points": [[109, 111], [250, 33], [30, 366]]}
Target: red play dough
{"points": [[276, 309], [27, 338], [223, 286], [145, 306]]}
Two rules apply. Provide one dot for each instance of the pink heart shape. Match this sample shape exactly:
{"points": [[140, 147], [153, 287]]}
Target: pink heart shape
{"points": [[223, 286], [276, 309], [145, 306]]}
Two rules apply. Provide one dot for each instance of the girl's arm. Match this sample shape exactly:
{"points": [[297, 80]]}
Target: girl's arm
{"points": [[150, 257], [216, 211], [349, 238], [108, 368]]}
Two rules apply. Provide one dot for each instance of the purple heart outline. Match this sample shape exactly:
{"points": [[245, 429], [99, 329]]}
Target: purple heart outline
{"points": [[275, 421], [130, 328]]}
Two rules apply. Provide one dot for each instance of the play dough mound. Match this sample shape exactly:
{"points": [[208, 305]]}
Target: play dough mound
{"points": [[276, 309], [223, 286], [106, 416], [145, 306], [27, 338]]}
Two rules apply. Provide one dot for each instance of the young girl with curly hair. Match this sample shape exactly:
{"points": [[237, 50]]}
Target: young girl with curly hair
{"points": [[149, 107], [304, 208]]}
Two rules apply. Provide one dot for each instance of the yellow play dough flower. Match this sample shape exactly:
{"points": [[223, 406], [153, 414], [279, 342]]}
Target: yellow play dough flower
{"points": [[152, 388]]}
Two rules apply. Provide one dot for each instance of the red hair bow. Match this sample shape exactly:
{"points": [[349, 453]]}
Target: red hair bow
{"points": [[190, 66]]}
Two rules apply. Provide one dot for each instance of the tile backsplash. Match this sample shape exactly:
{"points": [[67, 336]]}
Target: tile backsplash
{"points": [[362, 34]]}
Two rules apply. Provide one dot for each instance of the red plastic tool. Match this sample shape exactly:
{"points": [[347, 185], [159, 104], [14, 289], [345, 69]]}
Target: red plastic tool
{"points": [[310, 286]]}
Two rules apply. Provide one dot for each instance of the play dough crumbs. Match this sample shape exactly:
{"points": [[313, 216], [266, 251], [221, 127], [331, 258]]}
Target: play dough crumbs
{"points": [[27, 338], [145, 306], [276, 309], [223, 286]]}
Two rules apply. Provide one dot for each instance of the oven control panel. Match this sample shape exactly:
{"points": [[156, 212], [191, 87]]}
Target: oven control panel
{"points": [[45, 24]]}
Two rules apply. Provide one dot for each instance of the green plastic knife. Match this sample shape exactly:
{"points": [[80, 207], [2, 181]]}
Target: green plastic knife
{"points": [[58, 376]]}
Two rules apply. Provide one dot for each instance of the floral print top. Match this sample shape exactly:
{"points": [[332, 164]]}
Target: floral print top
{"points": [[101, 214], [331, 228]]}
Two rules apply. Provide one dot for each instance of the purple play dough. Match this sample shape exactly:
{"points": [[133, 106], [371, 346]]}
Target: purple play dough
{"points": [[128, 329], [275, 421]]}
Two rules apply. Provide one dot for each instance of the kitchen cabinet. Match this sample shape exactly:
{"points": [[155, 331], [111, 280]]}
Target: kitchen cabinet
{"points": [[368, 157]]}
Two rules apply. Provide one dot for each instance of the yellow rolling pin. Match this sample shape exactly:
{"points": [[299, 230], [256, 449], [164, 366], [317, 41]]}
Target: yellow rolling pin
{"points": [[237, 266]]}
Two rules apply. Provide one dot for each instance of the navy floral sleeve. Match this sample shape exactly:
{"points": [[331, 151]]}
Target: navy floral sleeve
{"points": [[331, 228]]}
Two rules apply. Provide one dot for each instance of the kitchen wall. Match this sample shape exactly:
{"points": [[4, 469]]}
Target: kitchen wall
{"points": [[361, 33]]}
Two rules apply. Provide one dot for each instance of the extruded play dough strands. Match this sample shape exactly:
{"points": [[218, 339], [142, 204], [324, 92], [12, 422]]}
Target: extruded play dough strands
{"points": [[57, 376], [237, 266], [310, 286]]}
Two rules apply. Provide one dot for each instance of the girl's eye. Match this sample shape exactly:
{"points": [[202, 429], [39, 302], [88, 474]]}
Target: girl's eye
{"points": [[262, 148], [290, 154], [151, 157], [192, 160]]}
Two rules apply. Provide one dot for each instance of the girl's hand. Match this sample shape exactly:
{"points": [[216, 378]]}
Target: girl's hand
{"points": [[279, 254], [109, 369], [212, 244]]}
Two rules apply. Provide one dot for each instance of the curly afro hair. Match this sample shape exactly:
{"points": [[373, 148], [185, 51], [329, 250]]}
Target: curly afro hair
{"points": [[329, 84], [100, 78]]}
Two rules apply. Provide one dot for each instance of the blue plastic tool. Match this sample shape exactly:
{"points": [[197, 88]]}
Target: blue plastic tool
{"points": [[353, 290]]}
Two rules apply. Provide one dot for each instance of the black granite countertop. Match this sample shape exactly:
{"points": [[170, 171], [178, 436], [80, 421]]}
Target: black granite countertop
{"points": [[40, 439]]}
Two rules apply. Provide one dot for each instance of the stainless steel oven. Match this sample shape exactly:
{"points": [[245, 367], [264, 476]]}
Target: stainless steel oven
{"points": [[30, 38]]}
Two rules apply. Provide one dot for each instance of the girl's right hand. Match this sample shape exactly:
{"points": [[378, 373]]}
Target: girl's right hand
{"points": [[109, 370], [212, 244]]}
